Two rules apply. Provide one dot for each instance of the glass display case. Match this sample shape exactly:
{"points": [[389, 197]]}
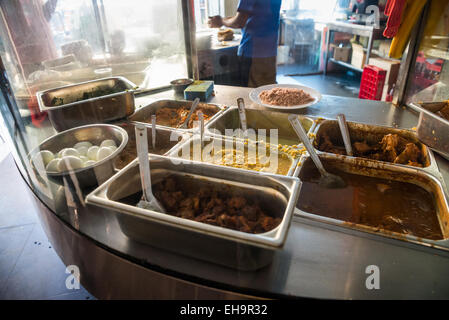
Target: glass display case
{"points": [[429, 77], [80, 83]]}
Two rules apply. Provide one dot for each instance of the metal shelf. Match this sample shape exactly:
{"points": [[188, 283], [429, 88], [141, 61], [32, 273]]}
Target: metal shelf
{"points": [[346, 65]]}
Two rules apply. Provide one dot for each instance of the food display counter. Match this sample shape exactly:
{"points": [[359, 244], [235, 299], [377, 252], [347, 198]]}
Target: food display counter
{"points": [[319, 259], [235, 227]]}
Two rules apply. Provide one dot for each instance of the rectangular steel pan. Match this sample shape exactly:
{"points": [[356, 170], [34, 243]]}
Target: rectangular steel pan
{"points": [[216, 244], [182, 150], [260, 119], [94, 110], [370, 133], [166, 140], [432, 129], [144, 114], [386, 170]]}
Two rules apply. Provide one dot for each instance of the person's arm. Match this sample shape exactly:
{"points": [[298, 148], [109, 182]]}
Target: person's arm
{"points": [[237, 21]]}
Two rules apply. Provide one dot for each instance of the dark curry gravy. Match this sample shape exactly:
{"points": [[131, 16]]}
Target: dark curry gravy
{"points": [[380, 203]]}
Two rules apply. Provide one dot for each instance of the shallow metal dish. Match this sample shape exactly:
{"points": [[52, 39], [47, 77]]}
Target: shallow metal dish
{"points": [[144, 114], [377, 169], [91, 175], [94, 110], [371, 134], [216, 244], [260, 119]]}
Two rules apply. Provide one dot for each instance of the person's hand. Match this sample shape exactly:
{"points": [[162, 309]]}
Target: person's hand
{"points": [[215, 22]]}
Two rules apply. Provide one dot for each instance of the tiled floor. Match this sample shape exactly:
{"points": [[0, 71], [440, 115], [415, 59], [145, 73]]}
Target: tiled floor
{"points": [[29, 267]]}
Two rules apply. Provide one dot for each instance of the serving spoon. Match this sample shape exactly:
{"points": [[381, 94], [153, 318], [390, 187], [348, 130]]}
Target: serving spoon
{"points": [[345, 133], [149, 201], [192, 110], [327, 180]]}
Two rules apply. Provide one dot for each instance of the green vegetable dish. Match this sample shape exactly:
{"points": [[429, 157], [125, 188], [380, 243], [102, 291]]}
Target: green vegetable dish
{"points": [[95, 93]]}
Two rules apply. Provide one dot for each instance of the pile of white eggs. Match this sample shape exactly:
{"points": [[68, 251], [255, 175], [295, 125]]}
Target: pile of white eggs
{"points": [[81, 155]]}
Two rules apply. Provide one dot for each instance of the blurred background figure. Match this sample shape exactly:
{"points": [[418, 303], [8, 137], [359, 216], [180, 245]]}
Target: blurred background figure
{"points": [[28, 24], [257, 51]]}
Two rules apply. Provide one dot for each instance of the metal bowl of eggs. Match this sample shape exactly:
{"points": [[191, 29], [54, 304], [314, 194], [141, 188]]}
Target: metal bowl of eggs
{"points": [[82, 156]]}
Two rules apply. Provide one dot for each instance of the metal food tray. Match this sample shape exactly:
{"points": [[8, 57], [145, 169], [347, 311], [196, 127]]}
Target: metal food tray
{"points": [[378, 169], [94, 110], [166, 140], [144, 114], [432, 129], [260, 119], [180, 150], [371, 134], [216, 244]]}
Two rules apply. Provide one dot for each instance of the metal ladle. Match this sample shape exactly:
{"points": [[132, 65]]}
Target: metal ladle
{"points": [[327, 180], [149, 201]]}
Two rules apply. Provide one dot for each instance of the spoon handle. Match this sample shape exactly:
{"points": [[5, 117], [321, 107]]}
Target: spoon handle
{"points": [[144, 163], [195, 103], [242, 113], [305, 140], [201, 126], [153, 131], [345, 133]]}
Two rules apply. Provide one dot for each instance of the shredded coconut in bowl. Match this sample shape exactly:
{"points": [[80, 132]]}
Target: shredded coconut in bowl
{"points": [[285, 97]]}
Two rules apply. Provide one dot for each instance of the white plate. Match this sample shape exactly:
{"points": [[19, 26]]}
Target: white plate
{"points": [[254, 96]]}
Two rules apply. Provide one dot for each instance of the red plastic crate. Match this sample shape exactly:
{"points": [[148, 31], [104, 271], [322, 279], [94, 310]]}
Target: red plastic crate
{"points": [[372, 83]]}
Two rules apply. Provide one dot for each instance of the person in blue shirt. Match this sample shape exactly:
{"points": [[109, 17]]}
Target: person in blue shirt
{"points": [[257, 51]]}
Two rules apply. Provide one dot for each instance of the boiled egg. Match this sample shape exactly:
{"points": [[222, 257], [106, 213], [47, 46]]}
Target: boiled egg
{"points": [[104, 152], [108, 143], [92, 153], [53, 165], [70, 152], [70, 162], [46, 156], [86, 144]]}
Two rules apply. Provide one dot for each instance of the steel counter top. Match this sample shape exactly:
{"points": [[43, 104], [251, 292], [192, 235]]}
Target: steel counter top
{"points": [[318, 260]]}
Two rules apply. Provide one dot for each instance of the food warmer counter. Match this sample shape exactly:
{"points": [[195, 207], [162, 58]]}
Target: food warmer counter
{"points": [[319, 259]]}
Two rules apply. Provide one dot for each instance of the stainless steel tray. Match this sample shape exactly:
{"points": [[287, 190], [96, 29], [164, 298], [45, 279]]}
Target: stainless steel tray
{"points": [[95, 110], [370, 133], [432, 130], [166, 140], [260, 119], [389, 171], [216, 244], [144, 114], [185, 150]]}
